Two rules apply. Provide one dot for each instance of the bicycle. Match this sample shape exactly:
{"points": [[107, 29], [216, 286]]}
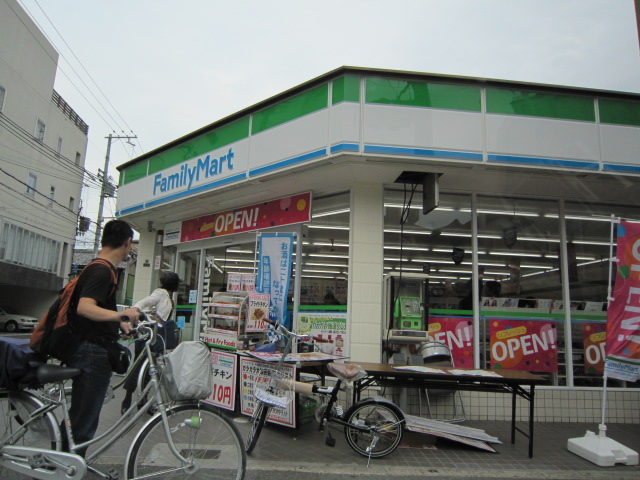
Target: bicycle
{"points": [[182, 440], [373, 427]]}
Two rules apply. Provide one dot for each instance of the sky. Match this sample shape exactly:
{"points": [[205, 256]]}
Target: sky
{"points": [[160, 69]]}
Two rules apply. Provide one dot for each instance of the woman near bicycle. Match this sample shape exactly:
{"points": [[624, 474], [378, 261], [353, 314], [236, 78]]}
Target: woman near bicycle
{"points": [[161, 299]]}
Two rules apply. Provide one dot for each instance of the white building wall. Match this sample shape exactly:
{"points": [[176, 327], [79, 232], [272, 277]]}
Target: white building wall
{"points": [[366, 242], [29, 89]]}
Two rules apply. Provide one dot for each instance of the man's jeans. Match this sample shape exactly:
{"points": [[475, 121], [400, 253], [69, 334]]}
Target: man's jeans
{"points": [[89, 390]]}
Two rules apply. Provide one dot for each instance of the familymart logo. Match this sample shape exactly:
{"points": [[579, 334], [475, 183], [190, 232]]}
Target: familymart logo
{"points": [[204, 168]]}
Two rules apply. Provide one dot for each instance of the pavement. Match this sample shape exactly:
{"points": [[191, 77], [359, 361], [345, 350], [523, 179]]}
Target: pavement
{"points": [[284, 453]]}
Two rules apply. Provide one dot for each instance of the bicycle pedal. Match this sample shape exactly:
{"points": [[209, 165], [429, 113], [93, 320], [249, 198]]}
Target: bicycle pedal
{"points": [[113, 474], [330, 441]]}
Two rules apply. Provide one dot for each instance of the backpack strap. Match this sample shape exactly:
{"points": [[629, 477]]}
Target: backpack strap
{"points": [[114, 277]]}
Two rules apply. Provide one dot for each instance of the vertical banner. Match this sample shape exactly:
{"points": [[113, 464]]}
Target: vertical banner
{"points": [[623, 316], [254, 373], [274, 271], [524, 345], [457, 334], [224, 380]]}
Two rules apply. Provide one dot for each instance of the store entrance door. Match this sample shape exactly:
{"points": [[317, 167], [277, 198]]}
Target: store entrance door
{"points": [[188, 267]]}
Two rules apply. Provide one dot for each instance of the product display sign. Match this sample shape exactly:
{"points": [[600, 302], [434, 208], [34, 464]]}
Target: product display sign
{"points": [[224, 380], [594, 339], [623, 322], [328, 326], [525, 345], [258, 311], [283, 211], [254, 373], [457, 334]]}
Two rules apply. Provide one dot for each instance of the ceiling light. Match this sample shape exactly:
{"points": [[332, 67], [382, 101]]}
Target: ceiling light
{"points": [[332, 212], [327, 227], [516, 254], [325, 255], [304, 270], [579, 217]]}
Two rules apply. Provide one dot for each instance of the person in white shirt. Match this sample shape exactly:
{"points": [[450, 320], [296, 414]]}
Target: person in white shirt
{"points": [[162, 300]]}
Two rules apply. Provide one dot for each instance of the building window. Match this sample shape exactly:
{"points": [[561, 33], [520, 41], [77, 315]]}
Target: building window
{"points": [[72, 202], [2, 93], [40, 128], [23, 247], [59, 146], [31, 184], [52, 194], [78, 158]]}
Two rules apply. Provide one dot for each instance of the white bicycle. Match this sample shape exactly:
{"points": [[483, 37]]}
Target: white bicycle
{"points": [[182, 440]]}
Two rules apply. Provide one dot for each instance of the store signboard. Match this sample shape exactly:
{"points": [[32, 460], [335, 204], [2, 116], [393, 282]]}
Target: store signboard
{"points": [[330, 326], [254, 373], [623, 317], [224, 380], [594, 337], [283, 211], [457, 334], [526, 345]]}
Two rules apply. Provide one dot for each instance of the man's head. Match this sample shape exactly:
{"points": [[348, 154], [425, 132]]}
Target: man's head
{"points": [[117, 234]]}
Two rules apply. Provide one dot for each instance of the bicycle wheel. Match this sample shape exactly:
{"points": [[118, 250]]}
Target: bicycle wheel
{"points": [[258, 420], [201, 434], [384, 424], [41, 433]]}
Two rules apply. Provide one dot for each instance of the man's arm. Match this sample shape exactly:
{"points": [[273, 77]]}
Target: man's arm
{"points": [[88, 308]]}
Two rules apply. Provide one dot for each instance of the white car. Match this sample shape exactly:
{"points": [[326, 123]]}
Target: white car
{"points": [[12, 321]]}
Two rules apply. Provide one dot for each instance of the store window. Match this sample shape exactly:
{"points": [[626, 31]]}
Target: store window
{"points": [[325, 248], [437, 245]]}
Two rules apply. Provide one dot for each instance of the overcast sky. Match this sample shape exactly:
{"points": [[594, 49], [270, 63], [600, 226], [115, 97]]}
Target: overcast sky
{"points": [[171, 67]]}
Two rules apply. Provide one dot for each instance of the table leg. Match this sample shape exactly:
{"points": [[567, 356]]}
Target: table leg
{"points": [[531, 411], [513, 417]]}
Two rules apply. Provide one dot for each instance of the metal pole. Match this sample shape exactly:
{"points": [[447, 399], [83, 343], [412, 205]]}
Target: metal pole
{"points": [[96, 242]]}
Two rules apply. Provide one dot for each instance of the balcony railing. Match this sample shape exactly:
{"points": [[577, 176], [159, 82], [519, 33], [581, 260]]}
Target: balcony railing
{"points": [[70, 112]]}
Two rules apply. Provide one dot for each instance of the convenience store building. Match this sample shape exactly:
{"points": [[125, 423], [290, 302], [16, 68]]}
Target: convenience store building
{"points": [[528, 181]]}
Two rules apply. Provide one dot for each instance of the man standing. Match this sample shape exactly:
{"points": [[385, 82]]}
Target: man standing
{"points": [[98, 322]]}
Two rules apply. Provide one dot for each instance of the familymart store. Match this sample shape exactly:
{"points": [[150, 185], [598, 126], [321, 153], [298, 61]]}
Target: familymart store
{"points": [[437, 207]]}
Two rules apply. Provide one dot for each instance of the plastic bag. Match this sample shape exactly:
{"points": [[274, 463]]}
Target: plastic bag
{"points": [[188, 372]]}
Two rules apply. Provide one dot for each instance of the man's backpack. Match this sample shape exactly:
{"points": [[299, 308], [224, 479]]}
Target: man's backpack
{"points": [[54, 335]]}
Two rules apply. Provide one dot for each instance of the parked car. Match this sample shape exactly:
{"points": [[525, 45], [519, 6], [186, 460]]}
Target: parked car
{"points": [[12, 321]]}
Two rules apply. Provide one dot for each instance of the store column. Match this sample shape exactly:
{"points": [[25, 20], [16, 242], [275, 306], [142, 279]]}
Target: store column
{"points": [[366, 242], [146, 275]]}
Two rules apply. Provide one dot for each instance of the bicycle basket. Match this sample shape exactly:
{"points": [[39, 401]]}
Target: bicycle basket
{"points": [[188, 372], [270, 390]]}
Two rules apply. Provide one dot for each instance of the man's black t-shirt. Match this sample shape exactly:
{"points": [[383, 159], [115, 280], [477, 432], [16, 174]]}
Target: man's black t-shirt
{"points": [[96, 282]]}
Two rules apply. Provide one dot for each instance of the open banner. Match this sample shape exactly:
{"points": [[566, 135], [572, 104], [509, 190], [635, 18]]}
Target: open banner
{"points": [[623, 315], [524, 345], [594, 340], [457, 334]]}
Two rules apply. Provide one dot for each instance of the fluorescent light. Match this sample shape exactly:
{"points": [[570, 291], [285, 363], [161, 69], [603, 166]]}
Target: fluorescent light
{"points": [[332, 212], [511, 213], [516, 254], [590, 242], [327, 227], [326, 264], [232, 250], [326, 255], [579, 217], [304, 270], [329, 244], [534, 239], [413, 249]]}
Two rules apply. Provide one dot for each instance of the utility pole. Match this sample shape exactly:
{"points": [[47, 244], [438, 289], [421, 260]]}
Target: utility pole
{"points": [[96, 243]]}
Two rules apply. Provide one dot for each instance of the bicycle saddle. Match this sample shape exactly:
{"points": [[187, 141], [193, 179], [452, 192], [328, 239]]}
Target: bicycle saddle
{"points": [[347, 371], [56, 373]]}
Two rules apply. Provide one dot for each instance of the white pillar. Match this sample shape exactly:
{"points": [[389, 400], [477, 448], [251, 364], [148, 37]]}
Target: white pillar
{"points": [[366, 242], [146, 278]]}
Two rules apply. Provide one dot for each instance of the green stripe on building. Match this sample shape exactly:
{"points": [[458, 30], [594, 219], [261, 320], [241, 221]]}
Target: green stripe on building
{"points": [[538, 104], [134, 172], [619, 112], [291, 108], [207, 142], [422, 94], [345, 89]]}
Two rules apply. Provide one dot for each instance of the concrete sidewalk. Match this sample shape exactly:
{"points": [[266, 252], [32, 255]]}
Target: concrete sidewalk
{"points": [[284, 453]]}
